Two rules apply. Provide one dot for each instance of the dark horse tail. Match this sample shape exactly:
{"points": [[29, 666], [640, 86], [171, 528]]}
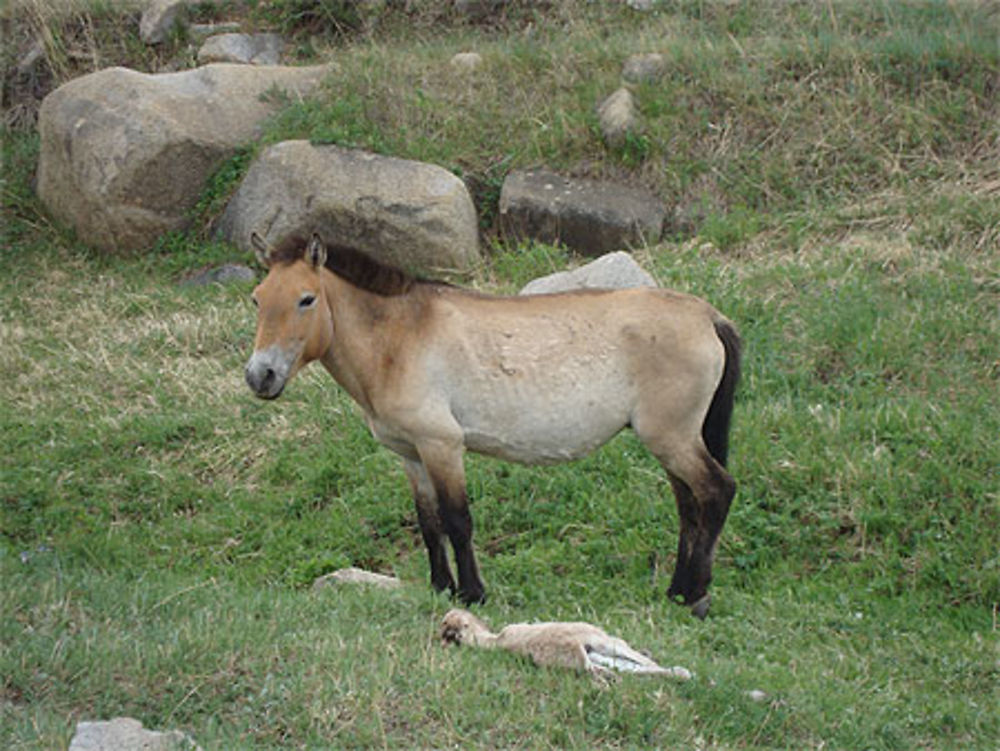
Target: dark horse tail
{"points": [[715, 431]]}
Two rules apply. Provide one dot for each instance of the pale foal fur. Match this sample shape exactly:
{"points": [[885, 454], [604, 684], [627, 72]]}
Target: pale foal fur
{"points": [[576, 645]]}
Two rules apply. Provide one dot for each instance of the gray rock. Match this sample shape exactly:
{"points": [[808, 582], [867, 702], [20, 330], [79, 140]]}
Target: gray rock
{"points": [[589, 217], [249, 49], [225, 274], [409, 214], [205, 30], [126, 734], [353, 575], [124, 155], [34, 55], [466, 61], [618, 117], [616, 270], [644, 68], [159, 19]]}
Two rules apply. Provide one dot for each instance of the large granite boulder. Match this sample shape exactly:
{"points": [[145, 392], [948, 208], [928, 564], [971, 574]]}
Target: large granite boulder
{"points": [[409, 214], [124, 155], [589, 217]]}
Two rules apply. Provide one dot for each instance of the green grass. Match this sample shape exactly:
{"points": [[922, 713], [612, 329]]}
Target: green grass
{"points": [[833, 169]]}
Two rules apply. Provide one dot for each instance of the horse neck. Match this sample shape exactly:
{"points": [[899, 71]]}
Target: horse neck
{"points": [[359, 319]]}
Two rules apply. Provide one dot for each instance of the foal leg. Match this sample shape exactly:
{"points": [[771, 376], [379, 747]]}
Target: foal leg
{"points": [[431, 528], [443, 464]]}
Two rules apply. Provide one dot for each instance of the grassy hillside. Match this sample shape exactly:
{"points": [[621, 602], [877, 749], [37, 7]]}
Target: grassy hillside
{"points": [[832, 175]]}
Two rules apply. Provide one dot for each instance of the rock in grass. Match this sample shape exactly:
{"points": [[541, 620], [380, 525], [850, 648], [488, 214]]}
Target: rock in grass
{"points": [[159, 19], [587, 216], [616, 270], [410, 214], [248, 49], [468, 61], [126, 734], [619, 117], [124, 155], [205, 30], [353, 575], [225, 274], [644, 68]]}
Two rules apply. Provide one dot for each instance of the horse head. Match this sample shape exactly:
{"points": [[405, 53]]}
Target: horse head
{"points": [[294, 325]]}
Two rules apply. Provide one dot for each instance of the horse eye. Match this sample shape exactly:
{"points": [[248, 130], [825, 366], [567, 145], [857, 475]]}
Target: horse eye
{"points": [[307, 301], [254, 301]]}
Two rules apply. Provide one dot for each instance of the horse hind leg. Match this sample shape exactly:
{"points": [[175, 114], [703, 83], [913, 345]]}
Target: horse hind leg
{"points": [[704, 491], [431, 529], [682, 582], [712, 489]]}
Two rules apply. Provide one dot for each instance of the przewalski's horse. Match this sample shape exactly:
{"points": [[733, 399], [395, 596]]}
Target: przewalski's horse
{"points": [[533, 379]]}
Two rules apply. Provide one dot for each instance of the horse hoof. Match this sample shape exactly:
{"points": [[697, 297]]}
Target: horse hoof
{"points": [[700, 608]]}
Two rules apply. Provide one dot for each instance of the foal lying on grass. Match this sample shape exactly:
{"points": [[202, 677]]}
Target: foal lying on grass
{"points": [[570, 645]]}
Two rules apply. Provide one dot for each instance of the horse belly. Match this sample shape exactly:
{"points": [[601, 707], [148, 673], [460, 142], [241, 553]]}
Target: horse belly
{"points": [[544, 418]]}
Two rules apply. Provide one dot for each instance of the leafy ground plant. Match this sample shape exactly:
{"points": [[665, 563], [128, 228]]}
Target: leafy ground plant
{"points": [[833, 168]]}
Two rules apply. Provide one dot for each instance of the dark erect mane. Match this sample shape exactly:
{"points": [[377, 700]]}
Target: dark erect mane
{"points": [[354, 267]]}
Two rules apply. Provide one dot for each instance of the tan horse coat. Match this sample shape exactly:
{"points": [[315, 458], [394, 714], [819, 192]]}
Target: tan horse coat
{"points": [[536, 379]]}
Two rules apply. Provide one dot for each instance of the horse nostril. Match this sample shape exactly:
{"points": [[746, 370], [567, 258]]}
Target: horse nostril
{"points": [[260, 380], [265, 380]]}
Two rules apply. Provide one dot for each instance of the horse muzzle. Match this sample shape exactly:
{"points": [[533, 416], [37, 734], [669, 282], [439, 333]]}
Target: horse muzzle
{"points": [[266, 374]]}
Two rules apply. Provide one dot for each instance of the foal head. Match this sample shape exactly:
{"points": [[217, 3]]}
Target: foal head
{"points": [[293, 320]]}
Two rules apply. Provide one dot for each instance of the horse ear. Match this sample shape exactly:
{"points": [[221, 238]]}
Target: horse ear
{"points": [[316, 251], [262, 249]]}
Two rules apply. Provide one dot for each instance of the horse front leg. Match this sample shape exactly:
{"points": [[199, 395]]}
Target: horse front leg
{"points": [[443, 463], [431, 529]]}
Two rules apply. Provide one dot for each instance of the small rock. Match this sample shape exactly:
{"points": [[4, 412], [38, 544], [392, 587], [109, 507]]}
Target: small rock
{"points": [[158, 20], [644, 68], [611, 271], [618, 117], [248, 49], [205, 30], [126, 734], [30, 59], [466, 61], [353, 575], [756, 695], [230, 272]]}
